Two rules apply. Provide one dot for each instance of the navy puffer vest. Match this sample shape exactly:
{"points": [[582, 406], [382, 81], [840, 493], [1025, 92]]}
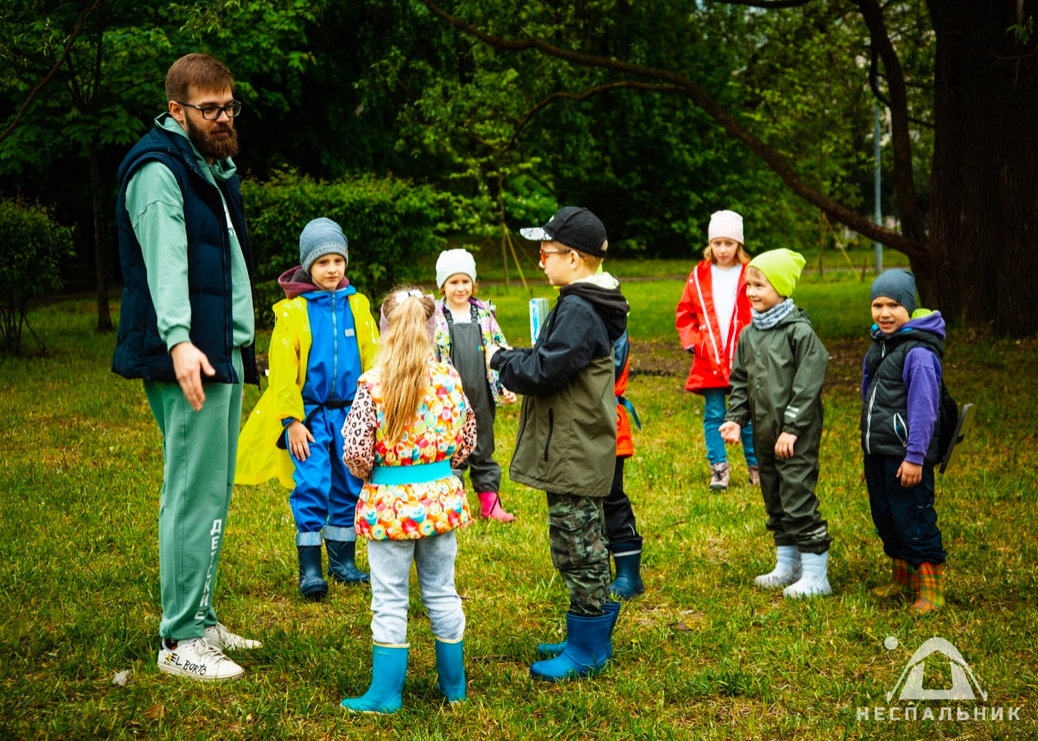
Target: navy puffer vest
{"points": [[884, 415], [140, 351]]}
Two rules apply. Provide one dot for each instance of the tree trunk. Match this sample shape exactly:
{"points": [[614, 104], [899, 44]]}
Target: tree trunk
{"points": [[104, 317], [984, 209]]}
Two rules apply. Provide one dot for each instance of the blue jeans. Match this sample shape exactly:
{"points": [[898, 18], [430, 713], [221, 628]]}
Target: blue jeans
{"points": [[714, 409]]}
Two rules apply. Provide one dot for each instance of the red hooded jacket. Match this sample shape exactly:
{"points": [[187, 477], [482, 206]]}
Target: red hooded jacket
{"points": [[698, 328]]}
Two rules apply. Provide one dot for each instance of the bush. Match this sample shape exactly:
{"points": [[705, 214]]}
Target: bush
{"points": [[390, 224], [32, 246]]}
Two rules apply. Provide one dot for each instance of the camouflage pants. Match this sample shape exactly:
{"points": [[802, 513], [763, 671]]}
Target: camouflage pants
{"points": [[576, 531]]}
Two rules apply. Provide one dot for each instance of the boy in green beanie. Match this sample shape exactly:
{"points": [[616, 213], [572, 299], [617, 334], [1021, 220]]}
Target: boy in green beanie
{"points": [[777, 380]]}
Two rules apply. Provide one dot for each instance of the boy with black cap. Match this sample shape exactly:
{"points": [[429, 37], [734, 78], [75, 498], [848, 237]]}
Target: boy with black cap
{"points": [[324, 338], [777, 380], [566, 444], [900, 394]]}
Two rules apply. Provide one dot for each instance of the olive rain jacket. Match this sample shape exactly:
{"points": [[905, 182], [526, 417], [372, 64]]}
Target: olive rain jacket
{"points": [[777, 381], [567, 427]]}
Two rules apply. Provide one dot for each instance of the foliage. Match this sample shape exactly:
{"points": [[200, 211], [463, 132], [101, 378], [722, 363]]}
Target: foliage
{"points": [[32, 249], [703, 654], [390, 225]]}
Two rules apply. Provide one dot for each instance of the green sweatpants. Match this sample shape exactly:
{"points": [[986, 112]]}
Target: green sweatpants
{"points": [[199, 449]]}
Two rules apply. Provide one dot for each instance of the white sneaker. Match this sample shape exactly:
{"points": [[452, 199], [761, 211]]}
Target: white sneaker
{"points": [[219, 637], [787, 569], [815, 581], [196, 659]]}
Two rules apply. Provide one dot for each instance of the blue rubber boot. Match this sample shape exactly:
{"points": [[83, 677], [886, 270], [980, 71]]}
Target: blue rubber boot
{"points": [[450, 668], [341, 564], [388, 669], [312, 585], [628, 583], [587, 649], [551, 650]]}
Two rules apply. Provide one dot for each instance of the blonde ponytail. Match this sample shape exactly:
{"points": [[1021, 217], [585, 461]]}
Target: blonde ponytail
{"points": [[404, 350]]}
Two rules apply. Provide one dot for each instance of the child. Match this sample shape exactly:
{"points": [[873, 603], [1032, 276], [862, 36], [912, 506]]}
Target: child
{"points": [[777, 381], [713, 310], [410, 424], [900, 393], [324, 338], [566, 444], [465, 327]]}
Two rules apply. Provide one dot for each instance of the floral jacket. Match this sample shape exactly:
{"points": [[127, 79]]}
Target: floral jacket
{"points": [[488, 327], [445, 429]]}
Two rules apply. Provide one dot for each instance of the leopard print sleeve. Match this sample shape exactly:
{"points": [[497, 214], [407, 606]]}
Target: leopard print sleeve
{"points": [[358, 434], [467, 443]]}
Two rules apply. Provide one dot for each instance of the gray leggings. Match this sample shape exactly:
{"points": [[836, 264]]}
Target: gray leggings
{"points": [[390, 565]]}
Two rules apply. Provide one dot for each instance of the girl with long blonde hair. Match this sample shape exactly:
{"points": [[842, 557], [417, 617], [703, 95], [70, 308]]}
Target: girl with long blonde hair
{"points": [[410, 423]]}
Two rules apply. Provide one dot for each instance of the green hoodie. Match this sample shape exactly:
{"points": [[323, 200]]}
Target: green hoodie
{"points": [[156, 208]]}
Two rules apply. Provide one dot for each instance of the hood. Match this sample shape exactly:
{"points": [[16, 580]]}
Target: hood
{"points": [[602, 291], [923, 320], [221, 169], [296, 281]]}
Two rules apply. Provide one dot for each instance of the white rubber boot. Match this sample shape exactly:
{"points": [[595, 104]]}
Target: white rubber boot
{"points": [[787, 569], [815, 581]]}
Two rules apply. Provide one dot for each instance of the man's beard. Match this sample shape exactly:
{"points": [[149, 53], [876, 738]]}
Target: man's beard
{"points": [[212, 147]]}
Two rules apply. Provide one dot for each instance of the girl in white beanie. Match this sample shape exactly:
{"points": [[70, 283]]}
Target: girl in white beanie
{"points": [[712, 312], [465, 327]]}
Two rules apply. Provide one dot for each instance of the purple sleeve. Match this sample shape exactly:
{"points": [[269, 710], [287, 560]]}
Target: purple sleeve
{"points": [[864, 382], [922, 378]]}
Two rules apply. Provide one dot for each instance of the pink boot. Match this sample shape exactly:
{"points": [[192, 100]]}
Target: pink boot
{"points": [[490, 507]]}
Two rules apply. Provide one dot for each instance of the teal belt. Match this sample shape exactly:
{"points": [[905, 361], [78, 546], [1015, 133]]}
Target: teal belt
{"points": [[418, 473]]}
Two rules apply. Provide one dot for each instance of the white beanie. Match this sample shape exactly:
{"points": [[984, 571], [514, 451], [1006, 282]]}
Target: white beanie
{"points": [[452, 262], [726, 224]]}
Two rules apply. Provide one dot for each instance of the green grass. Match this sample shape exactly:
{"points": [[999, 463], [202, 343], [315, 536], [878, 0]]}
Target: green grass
{"points": [[702, 654]]}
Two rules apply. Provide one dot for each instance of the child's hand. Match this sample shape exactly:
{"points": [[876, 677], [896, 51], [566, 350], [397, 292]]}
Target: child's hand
{"points": [[730, 432], [507, 396], [910, 474], [491, 352], [784, 445], [298, 436]]}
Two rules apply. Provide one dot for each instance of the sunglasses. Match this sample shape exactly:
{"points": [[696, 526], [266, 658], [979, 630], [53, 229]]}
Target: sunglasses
{"points": [[545, 253]]}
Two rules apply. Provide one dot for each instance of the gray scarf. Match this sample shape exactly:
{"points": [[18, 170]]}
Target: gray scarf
{"points": [[774, 315]]}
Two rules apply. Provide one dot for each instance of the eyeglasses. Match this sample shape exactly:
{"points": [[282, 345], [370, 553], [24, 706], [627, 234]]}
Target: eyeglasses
{"points": [[545, 253], [212, 112]]}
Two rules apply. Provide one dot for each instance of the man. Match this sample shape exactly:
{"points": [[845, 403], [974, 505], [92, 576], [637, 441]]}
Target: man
{"points": [[186, 328]]}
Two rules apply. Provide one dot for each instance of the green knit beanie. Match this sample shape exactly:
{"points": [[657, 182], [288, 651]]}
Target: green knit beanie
{"points": [[782, 268]]}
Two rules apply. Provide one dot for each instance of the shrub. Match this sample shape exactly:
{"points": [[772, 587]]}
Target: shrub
{"points": [[32, 246], [390, 225]]}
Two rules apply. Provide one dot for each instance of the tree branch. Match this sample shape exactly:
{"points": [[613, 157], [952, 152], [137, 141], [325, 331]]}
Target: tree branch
{"points": [[878, 94], [765, 3], [914, 246], [57, 65]]}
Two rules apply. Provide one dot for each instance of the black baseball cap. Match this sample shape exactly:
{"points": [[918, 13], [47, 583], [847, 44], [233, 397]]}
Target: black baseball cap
{"points": [[574, 227]]}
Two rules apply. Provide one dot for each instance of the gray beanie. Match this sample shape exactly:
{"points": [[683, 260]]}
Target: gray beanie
{"points": [[896, 284], [319, 238]]}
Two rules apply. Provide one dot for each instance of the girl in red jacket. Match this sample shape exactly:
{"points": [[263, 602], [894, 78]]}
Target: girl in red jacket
{"points": [[712, 312]]}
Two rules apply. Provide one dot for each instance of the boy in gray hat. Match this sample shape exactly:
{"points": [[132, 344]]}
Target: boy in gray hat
{"points": [[323, 339]]}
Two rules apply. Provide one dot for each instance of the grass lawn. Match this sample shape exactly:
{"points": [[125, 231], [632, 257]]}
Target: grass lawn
{"points": [[701, 655]]}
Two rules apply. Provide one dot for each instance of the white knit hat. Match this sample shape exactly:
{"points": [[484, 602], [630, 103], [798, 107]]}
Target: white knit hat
{"points": [[726, 224], [452, 262]]}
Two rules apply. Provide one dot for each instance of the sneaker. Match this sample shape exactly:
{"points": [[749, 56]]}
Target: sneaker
{"points": [[719, 473], [754, 472], [196, 659], [219, 637]]}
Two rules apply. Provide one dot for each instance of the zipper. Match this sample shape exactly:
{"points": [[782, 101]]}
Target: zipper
{"points": [[868, 419], [899, 423], [551, 428], [335, 348]]}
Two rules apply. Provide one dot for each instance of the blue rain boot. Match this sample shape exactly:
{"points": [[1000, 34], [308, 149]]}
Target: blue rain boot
{"points": [[551, 650], [388, 669], [628, 583], [312, 585], [450, 668], [341, 564], [587, 649]]}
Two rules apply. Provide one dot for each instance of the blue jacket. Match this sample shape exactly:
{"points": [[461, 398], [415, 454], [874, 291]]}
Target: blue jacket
{"points": [[140, 351]]}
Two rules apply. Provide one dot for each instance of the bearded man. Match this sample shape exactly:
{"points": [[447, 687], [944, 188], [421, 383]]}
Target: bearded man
{"points": [[186, 328]]}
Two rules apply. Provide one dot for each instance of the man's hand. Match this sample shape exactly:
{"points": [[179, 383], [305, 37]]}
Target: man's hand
{"points": [[189, 363], [298, 437], [784, 445], [730, 432], [910, 474]]}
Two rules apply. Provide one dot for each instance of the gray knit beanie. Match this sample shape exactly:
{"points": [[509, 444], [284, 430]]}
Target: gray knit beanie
{"points": [[896, 284], [319, 238]]}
